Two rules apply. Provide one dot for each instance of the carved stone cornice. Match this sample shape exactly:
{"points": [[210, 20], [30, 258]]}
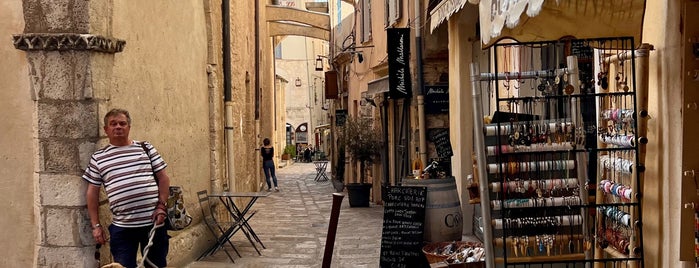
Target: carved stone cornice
{"points": [[67, 41]]}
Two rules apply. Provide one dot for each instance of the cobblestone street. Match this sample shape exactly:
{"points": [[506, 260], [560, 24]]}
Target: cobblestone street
{"points": [[293, 225]]}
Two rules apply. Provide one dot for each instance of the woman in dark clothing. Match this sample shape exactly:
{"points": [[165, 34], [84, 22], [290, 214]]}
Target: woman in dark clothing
{"points": [[267, 152]]}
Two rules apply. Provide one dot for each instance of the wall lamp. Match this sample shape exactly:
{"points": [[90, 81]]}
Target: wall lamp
{"points": [[297, 82], [360, 57], [319, 63]]}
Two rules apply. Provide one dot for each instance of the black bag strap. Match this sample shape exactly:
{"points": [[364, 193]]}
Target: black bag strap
{"points": [[145, 148]]}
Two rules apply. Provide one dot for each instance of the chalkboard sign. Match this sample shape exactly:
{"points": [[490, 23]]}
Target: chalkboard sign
{"points": [[581, 49], [340, 117], [436, 99], [403, 227], [440, 138]]}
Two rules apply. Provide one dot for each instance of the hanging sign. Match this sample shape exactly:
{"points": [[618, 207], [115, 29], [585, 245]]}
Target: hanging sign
{"points": [[340, 117], [398, 48]]}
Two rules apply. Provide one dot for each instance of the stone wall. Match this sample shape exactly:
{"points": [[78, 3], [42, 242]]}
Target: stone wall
{"points": [[77, 60]]}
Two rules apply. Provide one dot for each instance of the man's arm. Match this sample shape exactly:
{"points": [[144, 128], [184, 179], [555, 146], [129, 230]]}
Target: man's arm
{"points": [[163, 194], [92, 197]]}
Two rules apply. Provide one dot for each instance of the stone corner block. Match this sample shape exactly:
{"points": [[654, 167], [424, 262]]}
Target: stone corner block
{"points": [[62, 190]]}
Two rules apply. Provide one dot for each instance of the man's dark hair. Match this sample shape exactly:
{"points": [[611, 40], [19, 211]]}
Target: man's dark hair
{"points": [[265, 141], [115, 112]]}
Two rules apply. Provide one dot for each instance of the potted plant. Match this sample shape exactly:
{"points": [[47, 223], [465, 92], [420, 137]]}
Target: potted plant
{"points": [[289, 152], [363, 142]]}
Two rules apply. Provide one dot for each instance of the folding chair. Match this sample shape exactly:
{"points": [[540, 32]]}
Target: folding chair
{"points": [[211, 221]]}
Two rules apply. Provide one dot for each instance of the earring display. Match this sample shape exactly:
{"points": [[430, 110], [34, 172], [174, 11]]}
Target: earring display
{"points": [[563, 157]]}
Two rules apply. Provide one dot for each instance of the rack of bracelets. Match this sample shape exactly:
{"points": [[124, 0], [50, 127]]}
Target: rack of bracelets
{"points": [[622, 116], [552, 134]]}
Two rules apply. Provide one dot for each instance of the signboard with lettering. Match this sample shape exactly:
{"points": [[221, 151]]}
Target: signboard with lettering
{"points": [[398, 49], [340, 117], [442, 143], [436, 99], [403, 227]]}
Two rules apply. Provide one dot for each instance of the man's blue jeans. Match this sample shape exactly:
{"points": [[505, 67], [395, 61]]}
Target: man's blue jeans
{"points": [[124, 243]]}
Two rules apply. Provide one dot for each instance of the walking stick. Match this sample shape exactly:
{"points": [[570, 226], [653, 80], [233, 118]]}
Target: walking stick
{"points": [[332, 229]]}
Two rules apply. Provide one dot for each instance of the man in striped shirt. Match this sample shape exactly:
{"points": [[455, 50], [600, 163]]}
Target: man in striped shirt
{"points": [[136, 200]]}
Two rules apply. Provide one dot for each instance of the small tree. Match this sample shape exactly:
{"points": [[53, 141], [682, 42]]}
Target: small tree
{"points": [[362, 140], [290, 149]]}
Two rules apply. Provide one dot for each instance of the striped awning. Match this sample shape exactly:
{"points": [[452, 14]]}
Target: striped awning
{"points": [[542, 20], [444, 10]]}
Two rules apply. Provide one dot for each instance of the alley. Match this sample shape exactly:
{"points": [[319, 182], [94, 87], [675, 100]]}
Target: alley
{"points": [[293, 225]]}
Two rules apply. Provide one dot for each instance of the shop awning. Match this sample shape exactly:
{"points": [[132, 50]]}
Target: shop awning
{"points": [[321, 127], [544, 20], [539, 20], [445, 9], [377, 86]]}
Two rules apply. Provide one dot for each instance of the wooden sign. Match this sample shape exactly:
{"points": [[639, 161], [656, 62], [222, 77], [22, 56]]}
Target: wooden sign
{"points": [[442, 143], [403, 227], [331, 85]]}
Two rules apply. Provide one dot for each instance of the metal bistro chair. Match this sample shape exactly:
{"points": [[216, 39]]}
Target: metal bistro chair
{"points": [[219, 229]]}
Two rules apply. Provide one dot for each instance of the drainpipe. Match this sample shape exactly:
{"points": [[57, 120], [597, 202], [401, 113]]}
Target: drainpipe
{"points": [[420, 96], [228, 127]]}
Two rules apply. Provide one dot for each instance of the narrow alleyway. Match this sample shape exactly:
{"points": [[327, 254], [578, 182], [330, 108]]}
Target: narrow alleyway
{"points": [[293, 225]]}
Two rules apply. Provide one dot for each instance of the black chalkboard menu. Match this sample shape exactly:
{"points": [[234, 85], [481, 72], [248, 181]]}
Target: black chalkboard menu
{"points": [[403, 227], [440, 138]]}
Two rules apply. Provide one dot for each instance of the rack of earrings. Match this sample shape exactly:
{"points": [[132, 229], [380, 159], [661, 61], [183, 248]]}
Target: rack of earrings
{"points": [[552, 134]]}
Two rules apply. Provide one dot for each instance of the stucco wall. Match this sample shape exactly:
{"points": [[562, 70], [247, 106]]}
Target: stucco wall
{"points": [[17, 148], [161, 79], [661, 203], [168, 77]]}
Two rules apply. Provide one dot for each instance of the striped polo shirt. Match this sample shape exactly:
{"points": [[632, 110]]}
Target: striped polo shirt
{"points": [[127, 176]]}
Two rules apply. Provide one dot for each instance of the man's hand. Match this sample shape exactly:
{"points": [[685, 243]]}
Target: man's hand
{"points": [[159, 215], [98, 235]]}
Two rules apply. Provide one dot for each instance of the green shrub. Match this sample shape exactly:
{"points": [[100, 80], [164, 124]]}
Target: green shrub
{"points": [[290, 149]]}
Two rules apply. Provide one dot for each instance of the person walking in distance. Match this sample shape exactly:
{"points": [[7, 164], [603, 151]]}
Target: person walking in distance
{"points": [[267, 152], [137, 189]]}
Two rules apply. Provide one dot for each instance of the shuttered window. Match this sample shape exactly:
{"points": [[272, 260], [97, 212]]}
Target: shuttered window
{"points": [[366, 20]]}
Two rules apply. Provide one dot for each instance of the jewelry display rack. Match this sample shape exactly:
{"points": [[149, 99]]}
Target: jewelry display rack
{"points": [[562, 157]]}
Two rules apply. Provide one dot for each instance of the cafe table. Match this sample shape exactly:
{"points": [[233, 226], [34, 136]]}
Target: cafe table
{"points": [[240, 216]]}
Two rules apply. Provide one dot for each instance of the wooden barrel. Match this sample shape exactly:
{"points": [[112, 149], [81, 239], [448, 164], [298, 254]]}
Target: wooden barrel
{"points": [[443, 218]]}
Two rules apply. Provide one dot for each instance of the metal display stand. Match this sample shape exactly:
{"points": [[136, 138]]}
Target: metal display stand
{"points": [[560, 162]]}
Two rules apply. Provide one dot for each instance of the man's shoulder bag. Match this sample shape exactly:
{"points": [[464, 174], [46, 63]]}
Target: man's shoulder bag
{"points": [[177, 216]]}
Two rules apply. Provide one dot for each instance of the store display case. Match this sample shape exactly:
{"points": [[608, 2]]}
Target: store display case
{"points": [[560, 157]]}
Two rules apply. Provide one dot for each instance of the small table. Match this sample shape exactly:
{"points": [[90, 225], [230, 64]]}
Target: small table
{"points": [[321, 166], [240, 216]]}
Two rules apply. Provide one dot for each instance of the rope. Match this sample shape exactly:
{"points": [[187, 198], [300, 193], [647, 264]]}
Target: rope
{"points": [[150, 243]]}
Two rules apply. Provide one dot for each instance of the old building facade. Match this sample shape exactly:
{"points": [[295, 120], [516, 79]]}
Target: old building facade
{"points": [[453, 37], [199, 82]]}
